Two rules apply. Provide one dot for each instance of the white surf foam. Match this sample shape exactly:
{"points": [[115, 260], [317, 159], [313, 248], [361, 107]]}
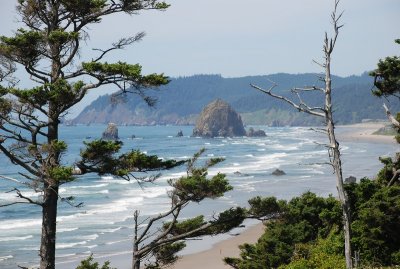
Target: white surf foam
{"points": [[3, 258], [69, 245], [19, 223], [62, 230], [15, 238]]}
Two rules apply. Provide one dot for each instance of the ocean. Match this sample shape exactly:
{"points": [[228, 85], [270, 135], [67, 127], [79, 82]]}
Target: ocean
{"points": [[104, 224]]}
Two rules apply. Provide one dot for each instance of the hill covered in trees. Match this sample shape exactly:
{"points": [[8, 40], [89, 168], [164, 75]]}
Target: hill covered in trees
{"points": [[181, 101]]}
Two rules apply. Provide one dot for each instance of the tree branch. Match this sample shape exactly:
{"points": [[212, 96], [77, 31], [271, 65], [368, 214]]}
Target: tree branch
{"points": [[390, 117], [121, 44], [290, 102]]}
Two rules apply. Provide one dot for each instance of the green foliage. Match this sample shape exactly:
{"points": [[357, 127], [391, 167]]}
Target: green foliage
{"points": [[130, 72], [301, 220], [268, 206], [61, 94], [48, 49], [375, 221], [185, 226], [5, 108], [100, 156], [25, 47], [166, 255], [322, 254], [387, 76], [84, 8], [386, 174], [61, 37], [304, 233], [61, 174], [201, 90], [194, 187], [227, 220], [89, 264], [197, 186]]}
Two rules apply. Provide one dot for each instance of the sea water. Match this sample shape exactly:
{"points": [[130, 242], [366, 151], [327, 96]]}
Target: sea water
{"points": [[104, 224]]}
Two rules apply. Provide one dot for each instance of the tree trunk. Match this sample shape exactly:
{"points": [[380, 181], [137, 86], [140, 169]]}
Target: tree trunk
{"points": [[344, 201], [135, 258], [336, 162], [135, 261], [49, 221], [50, 201]]}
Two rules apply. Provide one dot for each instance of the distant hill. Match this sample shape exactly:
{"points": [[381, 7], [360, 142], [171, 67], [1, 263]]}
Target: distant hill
{"points": [[181, 101]]}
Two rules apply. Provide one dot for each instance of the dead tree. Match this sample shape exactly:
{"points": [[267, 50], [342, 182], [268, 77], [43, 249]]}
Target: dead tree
{"points": [[326, 113]]}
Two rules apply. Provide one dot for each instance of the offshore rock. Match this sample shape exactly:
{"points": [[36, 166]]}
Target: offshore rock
{"points": [[219, 119], [111, 133], [255, 133], [278, 172], [179, 134], [350, 179]]}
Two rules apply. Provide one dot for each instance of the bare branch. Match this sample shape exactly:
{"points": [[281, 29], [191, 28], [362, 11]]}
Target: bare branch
{"points": [[319, 130], [321, 65], [18, 161], [391, 118], [160, 216], [121, 44], [290, 102], [396, 174], [175, 238], [26, 199]]}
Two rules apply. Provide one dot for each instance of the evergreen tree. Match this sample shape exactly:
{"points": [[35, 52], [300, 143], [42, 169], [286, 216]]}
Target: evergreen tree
{"points": [[47, 49], [387, 83]]}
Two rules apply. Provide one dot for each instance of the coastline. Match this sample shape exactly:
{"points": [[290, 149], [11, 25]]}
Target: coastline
{"points": [[212, 258], [363, 132], [214, 249]]}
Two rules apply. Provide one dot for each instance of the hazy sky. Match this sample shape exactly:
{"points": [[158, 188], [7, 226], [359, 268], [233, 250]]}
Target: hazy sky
{"points": [[238, 38]]}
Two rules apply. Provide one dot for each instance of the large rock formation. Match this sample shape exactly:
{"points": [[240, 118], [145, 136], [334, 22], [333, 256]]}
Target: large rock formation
{"points": [[111, 133], [219, 119]]}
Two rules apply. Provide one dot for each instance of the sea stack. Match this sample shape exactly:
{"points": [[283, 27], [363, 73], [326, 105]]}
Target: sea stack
{"points": [[218, 119], [111, 133], [256, 133]]}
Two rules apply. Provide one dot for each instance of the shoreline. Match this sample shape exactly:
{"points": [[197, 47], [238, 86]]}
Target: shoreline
{"points": [[213, 250], [363, 132], [212, 258]]}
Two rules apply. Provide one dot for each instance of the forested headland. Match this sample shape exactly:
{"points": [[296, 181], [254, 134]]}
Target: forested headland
{"points": [[182, 100]]}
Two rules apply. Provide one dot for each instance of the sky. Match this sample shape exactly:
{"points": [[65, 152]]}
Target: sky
{"points": [[238, 38]]}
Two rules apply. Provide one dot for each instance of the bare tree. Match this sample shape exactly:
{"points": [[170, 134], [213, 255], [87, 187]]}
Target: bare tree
{"points": [[326, 113]]}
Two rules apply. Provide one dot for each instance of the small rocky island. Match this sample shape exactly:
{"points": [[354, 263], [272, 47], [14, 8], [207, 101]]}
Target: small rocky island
{"points": [[218, 119], [255, 133], [111, 133]]}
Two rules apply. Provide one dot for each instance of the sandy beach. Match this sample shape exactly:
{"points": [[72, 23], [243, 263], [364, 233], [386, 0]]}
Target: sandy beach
{"points": [[212, 258], [363, 132]]}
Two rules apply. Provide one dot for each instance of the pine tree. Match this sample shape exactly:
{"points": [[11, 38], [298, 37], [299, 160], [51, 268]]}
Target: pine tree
{"points": [[47, 48]]}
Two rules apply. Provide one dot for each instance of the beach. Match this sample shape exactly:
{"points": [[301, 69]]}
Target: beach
{"points": [[363, 132], [104, 225], [213, 258]]}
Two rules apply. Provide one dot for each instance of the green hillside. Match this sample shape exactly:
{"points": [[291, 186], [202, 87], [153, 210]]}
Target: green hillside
{"points": [[183, 98]]}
